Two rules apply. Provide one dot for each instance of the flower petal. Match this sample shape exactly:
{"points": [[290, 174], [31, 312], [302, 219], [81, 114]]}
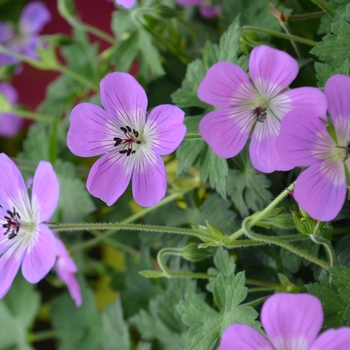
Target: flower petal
{"points": [[337, 90], [321, 189], [126, 3], [271, 70], [124, 99], [189, 2], [10, 124], [303, 139], [40, 255], [292, 319], [164, 129], [209, 11], [263, 151], [91, 131], [243, 337], [33, 17], [9, 265], [149, 181], [13, 192], [333, 339], [9, 92], [225, 85], [226, 130], [46, 191], [307, 99], [6, 33], [109, 176]]}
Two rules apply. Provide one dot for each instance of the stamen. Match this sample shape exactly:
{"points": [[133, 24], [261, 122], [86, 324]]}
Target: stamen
{"points": [[260, 114], [12, 225], [128, 142], [347, 151]]}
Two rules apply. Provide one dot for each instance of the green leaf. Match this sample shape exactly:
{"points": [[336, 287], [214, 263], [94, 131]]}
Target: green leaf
{"points": [[122, 23], [334, 304], [206, 324], [248, 187], [115, 329], [17, 313], [211, 167], [341, 278], [334, 49], [75, 202], [77, 328], [325, 71], [161, 321], [226, 50]]}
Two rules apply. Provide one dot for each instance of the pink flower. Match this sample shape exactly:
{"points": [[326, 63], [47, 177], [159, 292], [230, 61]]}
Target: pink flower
{"points": [[128, 4], [205, 9], [132, 146], [253, 106], [25, 239], [33, 18], [66, 269], [10, 124], [305, 141], [291, 322]]}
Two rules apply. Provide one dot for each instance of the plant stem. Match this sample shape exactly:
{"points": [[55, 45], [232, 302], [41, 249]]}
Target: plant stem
{"points": [[78, 77], [272, 240], [327, 245], [324, 7], [305, 16], [97, 32], [193, 137], [31, 115], [280, 35], [256, 218], [40, 336]]}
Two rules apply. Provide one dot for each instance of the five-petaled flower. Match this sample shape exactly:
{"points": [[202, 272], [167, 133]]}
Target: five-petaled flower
{"points": [[291, 322], [10, 124], [66, 269], [253, 106], [24, 237], [23, 40], [132, 146], [305, 141]]}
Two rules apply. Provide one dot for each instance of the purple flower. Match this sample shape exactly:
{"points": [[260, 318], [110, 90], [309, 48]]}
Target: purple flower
{"points": [[205, 9], [25, 239], [23, 40], [10, 124], [66, 269], [128, 4], [291, 322], [305, 141], [253, 106], [133, 146]]}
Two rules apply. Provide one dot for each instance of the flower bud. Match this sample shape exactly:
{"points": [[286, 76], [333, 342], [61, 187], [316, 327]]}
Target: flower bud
{"points": [[192, 253]]}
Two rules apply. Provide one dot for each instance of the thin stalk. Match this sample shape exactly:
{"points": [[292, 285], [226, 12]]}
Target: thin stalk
{"points": [[280, 35], [305, 16], [40, 336], [193, 137], [97, 32], [165, 251], [324, 7], [31, 115], [272, 240], [256, 218], [255, 302], [328, 246]]}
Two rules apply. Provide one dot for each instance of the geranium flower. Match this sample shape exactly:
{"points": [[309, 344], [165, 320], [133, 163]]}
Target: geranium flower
{"points": [[66, 269], [132, 145], [305, 141], [291, 322], [23, 40], [205, 8], [25, 239], [253, 106], [10, 124]]}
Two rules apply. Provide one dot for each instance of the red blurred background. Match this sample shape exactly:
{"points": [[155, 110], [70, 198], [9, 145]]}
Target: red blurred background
{"points": [[31, 83]]}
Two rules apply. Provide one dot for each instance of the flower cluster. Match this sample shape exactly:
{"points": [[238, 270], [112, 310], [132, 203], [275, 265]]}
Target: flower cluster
{"points": [[24, 40], [291, 322], [287, 128]]}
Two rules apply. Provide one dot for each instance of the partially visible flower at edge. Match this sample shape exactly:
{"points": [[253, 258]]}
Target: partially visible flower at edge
{"points": [[128, 4], [24, 40], [305, 141], [205, 8], [132, 146], [254, 105], [291, 321], [25, 239], [66, 269], [10, 124]]}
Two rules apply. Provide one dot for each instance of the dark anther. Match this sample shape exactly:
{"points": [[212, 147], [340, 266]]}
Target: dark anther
{"points": [[135, 133], [12, 235], [118, 141], [123, 130], [138, 142], [262, 115], [129, 152], [12, 224], [133, 152], [128, 127], [123, 151]]}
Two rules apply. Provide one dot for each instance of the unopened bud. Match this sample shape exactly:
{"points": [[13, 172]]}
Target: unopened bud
{"points": [[192, 253]]}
